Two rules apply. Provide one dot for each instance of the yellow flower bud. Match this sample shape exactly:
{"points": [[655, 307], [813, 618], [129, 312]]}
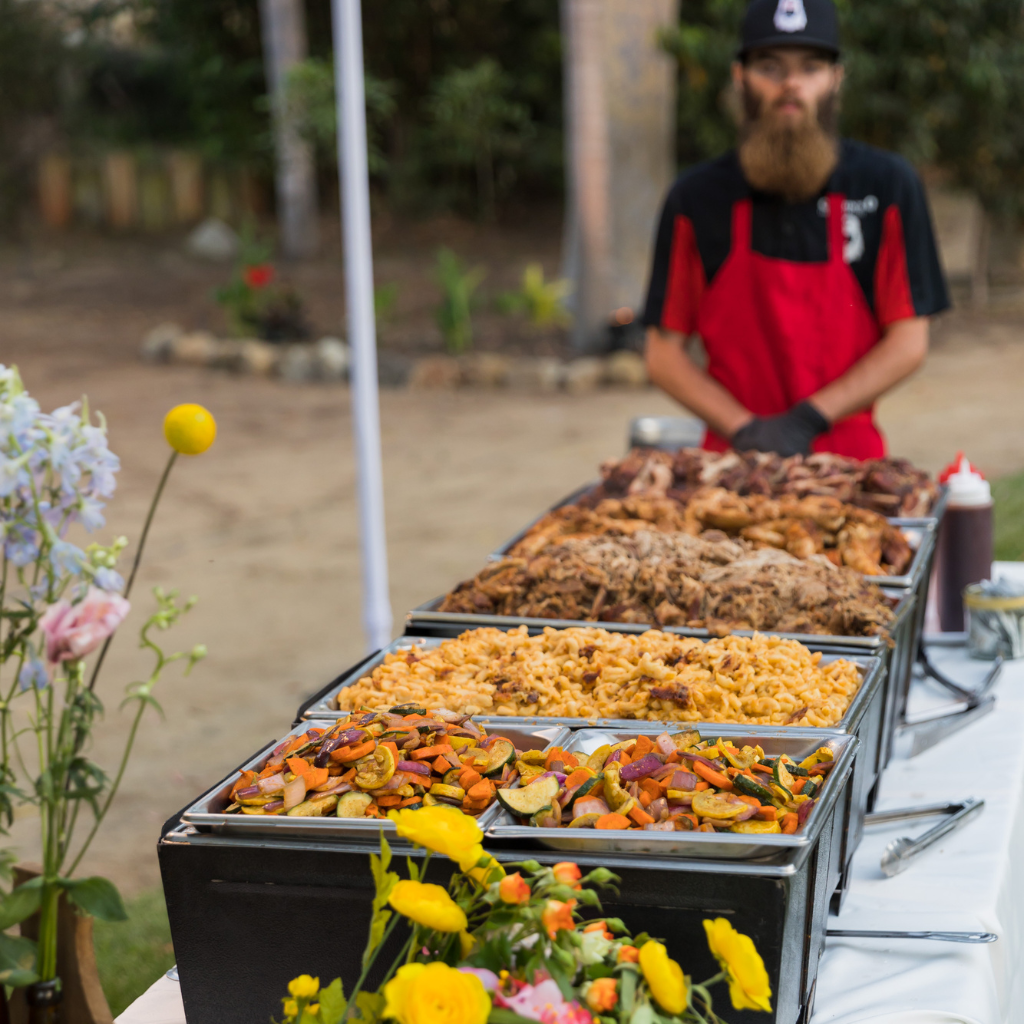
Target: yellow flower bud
{"points": [[749, 986], [303, 987], [428, 905], [190, 429], [664, 977]]}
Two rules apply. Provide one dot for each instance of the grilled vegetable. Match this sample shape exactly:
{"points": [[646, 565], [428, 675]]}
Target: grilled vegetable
{"points": [[756, 827], [751, 787], [353, 805], [709, 804], [501, 753], [526, 801], [379, 761]]}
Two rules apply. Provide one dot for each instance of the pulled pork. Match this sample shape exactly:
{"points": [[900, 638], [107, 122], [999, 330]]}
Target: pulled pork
{"points": [[676, 579]]}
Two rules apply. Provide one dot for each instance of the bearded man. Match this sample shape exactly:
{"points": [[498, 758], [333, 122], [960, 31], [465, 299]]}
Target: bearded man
{"points": [[806, 263]]}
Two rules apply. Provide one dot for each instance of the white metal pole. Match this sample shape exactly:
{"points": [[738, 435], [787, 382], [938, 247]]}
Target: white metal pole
{"points": [[362, 328]]}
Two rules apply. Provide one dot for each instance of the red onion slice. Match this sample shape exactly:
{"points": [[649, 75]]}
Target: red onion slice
{"points": [[274, 805], [660, 826], [804, 810], [589, 805], [271, 784], [647, 765], [665, 744], [294, 792], [247, 793], [685, 781], [414, 766]]}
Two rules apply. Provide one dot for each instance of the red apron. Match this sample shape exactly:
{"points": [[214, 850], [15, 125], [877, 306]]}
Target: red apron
{"points": [[776, 332]]}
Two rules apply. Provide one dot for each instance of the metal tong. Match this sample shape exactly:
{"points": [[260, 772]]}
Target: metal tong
{"points": [[845, 933], [924, 731], [902, 852]]}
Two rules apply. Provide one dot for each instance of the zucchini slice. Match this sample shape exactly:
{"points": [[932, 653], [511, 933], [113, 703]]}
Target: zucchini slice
{"points": [[314, 808], [584, 821], [783, 777], [528, 800], [685, 740], [750, 787], [451, 777], [407, 709], [586, 788], [740, 758], [439, 789], [598, 757], [374, 771], [502, 752], [353, 805], [614, 795], [821, 755]]}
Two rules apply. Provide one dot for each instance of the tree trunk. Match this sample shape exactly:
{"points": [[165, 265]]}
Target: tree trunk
{"points": [[620, 127], [284, 45]]}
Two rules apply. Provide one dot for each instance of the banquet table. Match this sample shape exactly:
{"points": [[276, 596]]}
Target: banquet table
{"points": [[973, 880]]}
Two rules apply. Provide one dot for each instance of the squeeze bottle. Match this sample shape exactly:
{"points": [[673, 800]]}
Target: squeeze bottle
{"points": [[964, 553]]}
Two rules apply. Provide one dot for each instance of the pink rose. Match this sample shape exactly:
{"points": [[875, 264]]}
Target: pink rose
{"points": [[544, 1003], [74, 630]]}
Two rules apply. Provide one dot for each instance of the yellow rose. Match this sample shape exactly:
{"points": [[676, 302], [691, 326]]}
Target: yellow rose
{"points": [[749, 987], [492, 871], [190, 429], [440, 828], [303, 987], [664, 977], [436, 994], [428, 905]]}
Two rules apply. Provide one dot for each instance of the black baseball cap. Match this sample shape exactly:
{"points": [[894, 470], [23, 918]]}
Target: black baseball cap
{"points": [[812, 23]]}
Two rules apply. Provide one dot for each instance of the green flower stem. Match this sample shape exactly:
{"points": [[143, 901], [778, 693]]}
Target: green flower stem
{"points": [[138, 557]]}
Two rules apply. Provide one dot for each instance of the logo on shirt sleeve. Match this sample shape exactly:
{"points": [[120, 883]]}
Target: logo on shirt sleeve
{"points": [[790, 16]]}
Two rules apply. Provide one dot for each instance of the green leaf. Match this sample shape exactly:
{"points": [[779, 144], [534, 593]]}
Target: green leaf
{"points": [[17, 960], [332, 1002], [627, 993], [370, 1006], [19, 904], [499, 1015], [643, 1014], [560, 978], [97, 897]]}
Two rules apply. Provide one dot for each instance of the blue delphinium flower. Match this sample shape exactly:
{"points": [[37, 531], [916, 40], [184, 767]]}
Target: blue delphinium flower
{"points": [[109, 579], [33, 673], [66, 557]]}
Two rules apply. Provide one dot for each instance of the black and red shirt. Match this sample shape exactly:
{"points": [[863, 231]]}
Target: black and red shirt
{"points": [[889, 241]]}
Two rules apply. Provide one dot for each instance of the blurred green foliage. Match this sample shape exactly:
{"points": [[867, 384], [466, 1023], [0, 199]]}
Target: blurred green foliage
{"points": [[454, 315], [542, 302], [940, 81]]}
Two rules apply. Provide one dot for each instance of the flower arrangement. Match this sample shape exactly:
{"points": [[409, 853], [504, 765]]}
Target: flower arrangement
{"points": [[59, 604], [511, 948]]}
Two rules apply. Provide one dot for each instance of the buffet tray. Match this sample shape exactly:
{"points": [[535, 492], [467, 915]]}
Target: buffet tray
{"points": [[206, 814], [920, 533], [798, 744]]}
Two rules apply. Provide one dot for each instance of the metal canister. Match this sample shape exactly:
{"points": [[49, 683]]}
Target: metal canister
{"points": [[996, 621]]}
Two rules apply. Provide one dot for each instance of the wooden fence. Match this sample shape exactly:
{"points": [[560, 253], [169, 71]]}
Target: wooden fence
{"points": [[124, 190]]}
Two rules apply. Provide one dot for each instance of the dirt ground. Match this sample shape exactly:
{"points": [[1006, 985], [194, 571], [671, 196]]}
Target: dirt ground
{"points": [[263, 528]]}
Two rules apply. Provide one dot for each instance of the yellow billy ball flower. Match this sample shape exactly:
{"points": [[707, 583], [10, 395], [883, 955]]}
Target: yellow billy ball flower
{"points": [[749, 987], [303, 987], [428, 905], [664, 977], [190, 429], [440, 828], [435, 994]]}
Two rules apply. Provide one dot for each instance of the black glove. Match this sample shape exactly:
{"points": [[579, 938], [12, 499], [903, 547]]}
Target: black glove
{"points": [[788, 434]]}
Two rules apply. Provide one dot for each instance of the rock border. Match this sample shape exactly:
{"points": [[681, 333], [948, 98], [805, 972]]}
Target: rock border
{"points": [[327, 361]]}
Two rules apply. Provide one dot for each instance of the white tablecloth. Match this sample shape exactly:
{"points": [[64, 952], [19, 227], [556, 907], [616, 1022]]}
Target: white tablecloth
{"points": [[973, 880]]}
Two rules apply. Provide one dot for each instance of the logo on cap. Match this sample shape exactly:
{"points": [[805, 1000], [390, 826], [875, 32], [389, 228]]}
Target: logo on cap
{"points": [[790, 16]]}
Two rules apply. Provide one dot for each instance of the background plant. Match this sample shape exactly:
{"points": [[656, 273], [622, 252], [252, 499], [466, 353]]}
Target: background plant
{"points": [[458, 297], [541, 301]]}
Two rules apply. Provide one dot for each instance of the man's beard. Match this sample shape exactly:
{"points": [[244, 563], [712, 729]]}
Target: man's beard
{"points": [[791, 160]]}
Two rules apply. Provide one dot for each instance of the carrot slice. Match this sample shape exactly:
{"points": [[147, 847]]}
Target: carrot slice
{"points": [[411, 800], [349, 775], [798, 783], [316, 777], [469, 778], [481, 791], [393, 747], [298, 765], [640, 816], [429, 753], [440, 765], [353, 752], [245, 779], [646, 799], [624, 757], [766, 813], [643, 746], [576, 778], [554, 754], [752, 800], [692, 817], [389, 801], [710, 775], [612, 821], [701, 785], [651, 787], [761, 768], [672, 758], [789, 823]]}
